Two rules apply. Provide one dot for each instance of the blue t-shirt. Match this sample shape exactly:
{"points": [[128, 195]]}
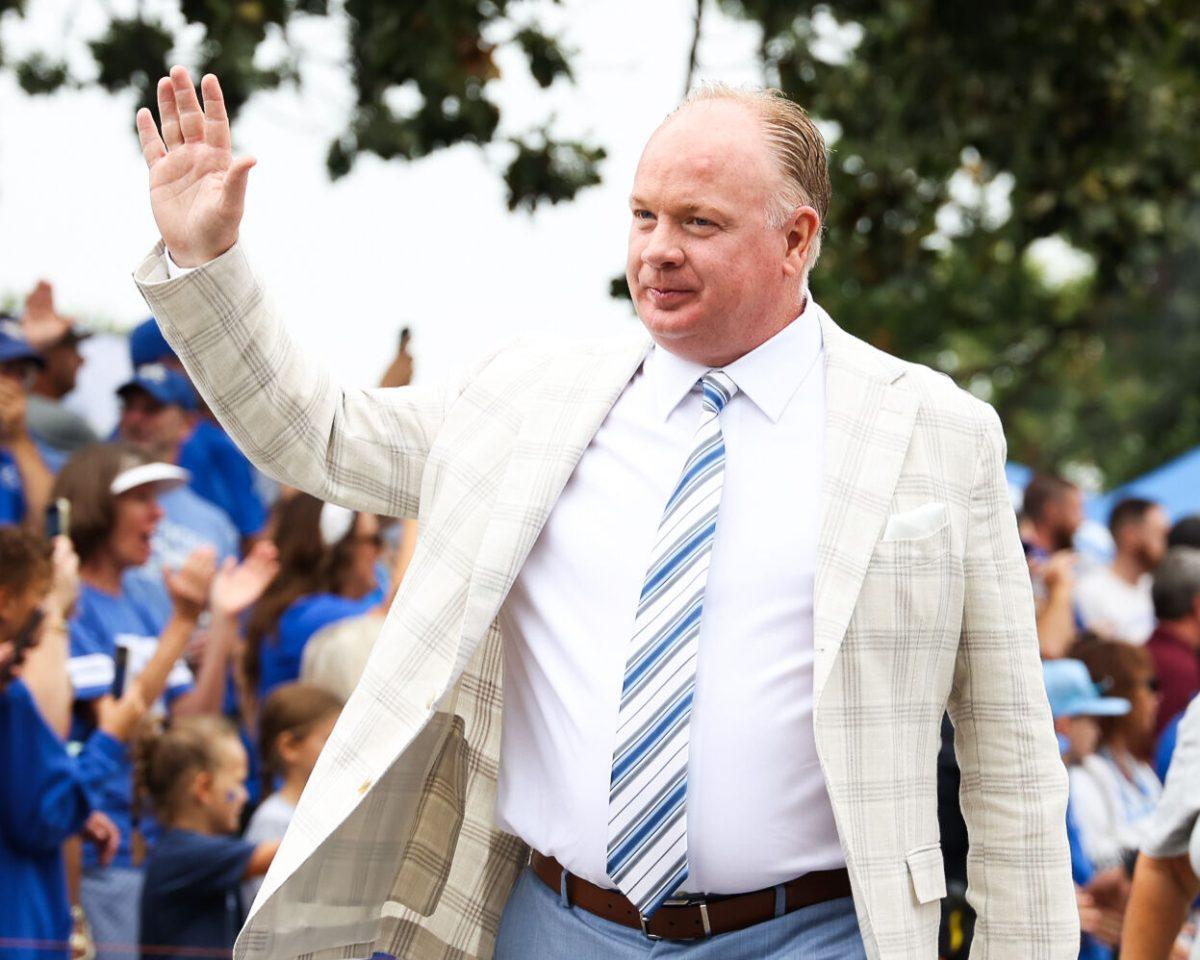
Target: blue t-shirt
{"points": [[1166, 746], [222, 475], [189, 522], [12, 490], [101, 623], [45, 797], [192, 894], [280, 657]]}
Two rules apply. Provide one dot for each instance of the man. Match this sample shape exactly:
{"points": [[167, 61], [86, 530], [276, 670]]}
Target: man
{"points": [[866, 576], [25, 480], [1114, 600], [221, 474], [1175, 643], [1053, 511], [58, 430], [156, 410]]}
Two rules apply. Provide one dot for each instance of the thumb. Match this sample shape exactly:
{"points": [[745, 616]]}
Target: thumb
{"points": [[236, 178]]}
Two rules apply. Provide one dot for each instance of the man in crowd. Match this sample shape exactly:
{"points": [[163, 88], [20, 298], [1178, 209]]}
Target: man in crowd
{"points": [[1114, 601], [1175, 643], [25, 480], [1053, 511], [59, 430], [854, 574], [221, 474], [156, 410]]}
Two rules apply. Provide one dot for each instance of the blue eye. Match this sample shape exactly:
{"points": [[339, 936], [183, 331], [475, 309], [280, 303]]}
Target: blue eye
{"points": [[642, 215], [702, 222]]}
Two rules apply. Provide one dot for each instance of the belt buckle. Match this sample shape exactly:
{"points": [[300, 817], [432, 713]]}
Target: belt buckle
{"points": [[696, 901]]}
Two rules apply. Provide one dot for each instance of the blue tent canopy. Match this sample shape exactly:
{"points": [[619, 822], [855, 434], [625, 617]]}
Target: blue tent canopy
{"points": [[1176, 485]]}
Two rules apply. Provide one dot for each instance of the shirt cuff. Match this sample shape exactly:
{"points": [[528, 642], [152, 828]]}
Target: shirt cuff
{"points": [[173, 269]]}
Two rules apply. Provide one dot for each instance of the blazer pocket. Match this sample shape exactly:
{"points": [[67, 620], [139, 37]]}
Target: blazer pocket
{"points": [[927, 871], [915, 524]]}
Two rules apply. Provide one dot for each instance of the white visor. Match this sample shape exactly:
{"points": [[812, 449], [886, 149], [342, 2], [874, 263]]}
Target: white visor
{"points": [[166, 475], [335, 523]]}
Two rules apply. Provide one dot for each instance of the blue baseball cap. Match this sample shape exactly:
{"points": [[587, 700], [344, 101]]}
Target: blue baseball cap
{"points": [[147, 344], [1072, 693], [13, 345], [169, 387]]}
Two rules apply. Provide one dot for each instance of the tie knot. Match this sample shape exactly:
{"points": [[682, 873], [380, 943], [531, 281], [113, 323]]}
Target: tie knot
{"points": [[718, 390]]}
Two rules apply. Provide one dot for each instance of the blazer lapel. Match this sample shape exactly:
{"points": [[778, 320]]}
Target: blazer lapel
{"points": [[570, 402], [868, 424]]}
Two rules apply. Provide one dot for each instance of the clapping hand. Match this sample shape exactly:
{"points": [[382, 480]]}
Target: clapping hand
{"points": [[197, 188], [238, 585], [190, 584]]}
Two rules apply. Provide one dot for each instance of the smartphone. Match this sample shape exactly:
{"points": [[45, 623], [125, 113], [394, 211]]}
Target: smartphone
{"points": [[120, 667], [58, 518]]}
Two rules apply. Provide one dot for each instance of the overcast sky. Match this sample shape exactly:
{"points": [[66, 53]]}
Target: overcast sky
{"points": [[430, 243]]}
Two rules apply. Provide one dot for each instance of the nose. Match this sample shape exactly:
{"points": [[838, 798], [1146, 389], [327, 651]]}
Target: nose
{"points": [[662, 250]]}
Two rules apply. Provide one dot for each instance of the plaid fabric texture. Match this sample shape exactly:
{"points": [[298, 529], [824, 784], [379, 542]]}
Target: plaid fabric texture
{"points": [[393, 848]]}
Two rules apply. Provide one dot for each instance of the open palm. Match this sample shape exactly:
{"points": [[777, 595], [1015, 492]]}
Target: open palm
{"points": [[197, 187], [237, 586]]}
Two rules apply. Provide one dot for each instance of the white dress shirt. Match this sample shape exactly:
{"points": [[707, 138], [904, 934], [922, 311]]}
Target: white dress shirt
{"points": [[757, 809]]}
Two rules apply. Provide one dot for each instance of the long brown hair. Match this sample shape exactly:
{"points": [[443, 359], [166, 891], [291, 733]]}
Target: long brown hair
{"points": [[306, 566], [1119, 668], [292, 708]]}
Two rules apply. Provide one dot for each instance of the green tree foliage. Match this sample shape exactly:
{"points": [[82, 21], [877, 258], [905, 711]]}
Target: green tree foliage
{"points": [[440, 53], [1091, 110]]}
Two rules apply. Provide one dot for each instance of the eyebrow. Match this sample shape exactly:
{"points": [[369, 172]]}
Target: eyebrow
{"points": [[689, 207]]}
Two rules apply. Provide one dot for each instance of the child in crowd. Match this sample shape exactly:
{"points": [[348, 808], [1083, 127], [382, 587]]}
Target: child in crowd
{"points": [[296, 720], [194, 775]]}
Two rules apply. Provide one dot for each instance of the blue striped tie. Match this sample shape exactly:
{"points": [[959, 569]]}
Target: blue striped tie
{"points": [[647, 800]]}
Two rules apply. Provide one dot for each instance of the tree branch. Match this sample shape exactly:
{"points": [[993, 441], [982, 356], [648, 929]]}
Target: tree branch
{"points": [[691, 70]]}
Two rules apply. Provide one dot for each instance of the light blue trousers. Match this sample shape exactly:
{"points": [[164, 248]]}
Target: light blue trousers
{"points": [[536, 924]]}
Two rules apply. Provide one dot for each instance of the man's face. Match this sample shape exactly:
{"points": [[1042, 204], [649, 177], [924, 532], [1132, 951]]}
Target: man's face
{"points": [[62, 366], [1064, 516], [710, 279], [1150, 537], [156, 427]]}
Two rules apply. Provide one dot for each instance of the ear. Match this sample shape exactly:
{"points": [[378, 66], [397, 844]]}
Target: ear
{"points": [[802, 232], [202, 787], [285, 746]]}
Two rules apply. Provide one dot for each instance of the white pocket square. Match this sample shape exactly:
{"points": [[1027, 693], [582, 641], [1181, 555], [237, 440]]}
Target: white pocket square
{"points": [[917, 523]]}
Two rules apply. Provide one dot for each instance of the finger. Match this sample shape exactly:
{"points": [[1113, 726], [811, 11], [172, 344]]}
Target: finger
{"points": [[168, 114], [153, 148], [191, 119], [216, 120], [236, 178]]}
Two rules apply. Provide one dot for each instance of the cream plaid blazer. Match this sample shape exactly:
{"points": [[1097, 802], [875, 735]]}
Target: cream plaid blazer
{"points": [[922, 603]]}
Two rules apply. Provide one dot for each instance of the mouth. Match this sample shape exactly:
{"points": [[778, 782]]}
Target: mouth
{"points": [[668, 296]]}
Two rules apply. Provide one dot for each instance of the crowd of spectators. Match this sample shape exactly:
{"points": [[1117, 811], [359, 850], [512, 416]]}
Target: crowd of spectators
{"points": [[160, 713]]}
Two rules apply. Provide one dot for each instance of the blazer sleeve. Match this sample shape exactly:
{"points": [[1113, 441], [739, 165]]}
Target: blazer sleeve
{"points": [[1014, 783], [365, 449]]}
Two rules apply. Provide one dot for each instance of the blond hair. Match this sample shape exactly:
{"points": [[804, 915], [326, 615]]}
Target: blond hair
{"points": [[797, 145]]}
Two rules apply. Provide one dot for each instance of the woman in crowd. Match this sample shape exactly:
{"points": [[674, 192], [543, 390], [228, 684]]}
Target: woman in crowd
{"points": [[1115, 790], [194, 775], [328, 559], [296, 720], [113, 491], [46, 796]]}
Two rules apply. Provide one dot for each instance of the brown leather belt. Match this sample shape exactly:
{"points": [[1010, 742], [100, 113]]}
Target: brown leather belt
{"points": [[693, 917]]}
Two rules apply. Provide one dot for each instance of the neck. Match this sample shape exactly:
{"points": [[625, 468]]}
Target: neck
{"points": [[1041, 539], [44, 387], [293, 786], [102, 572], [1127, 567], [194, 819], [1186, 629]]}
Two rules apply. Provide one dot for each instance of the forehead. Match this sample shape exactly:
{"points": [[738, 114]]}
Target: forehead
{"points": [[709, 151]]}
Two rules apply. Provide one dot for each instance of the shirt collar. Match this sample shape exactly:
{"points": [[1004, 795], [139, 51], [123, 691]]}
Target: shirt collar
{"points": [[769, 375]]}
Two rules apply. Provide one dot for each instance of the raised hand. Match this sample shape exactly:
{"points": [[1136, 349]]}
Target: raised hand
{"points": [[189, 585], [197, 188], [238, 585]]}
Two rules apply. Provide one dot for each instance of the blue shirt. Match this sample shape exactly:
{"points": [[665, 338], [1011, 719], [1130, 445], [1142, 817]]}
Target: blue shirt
{"points": [[189, 522], [1166, 747], [192, 894], [12, 490], [45, 797], [222, 475], [1082, 872], [281, 654], [101, 623]]}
